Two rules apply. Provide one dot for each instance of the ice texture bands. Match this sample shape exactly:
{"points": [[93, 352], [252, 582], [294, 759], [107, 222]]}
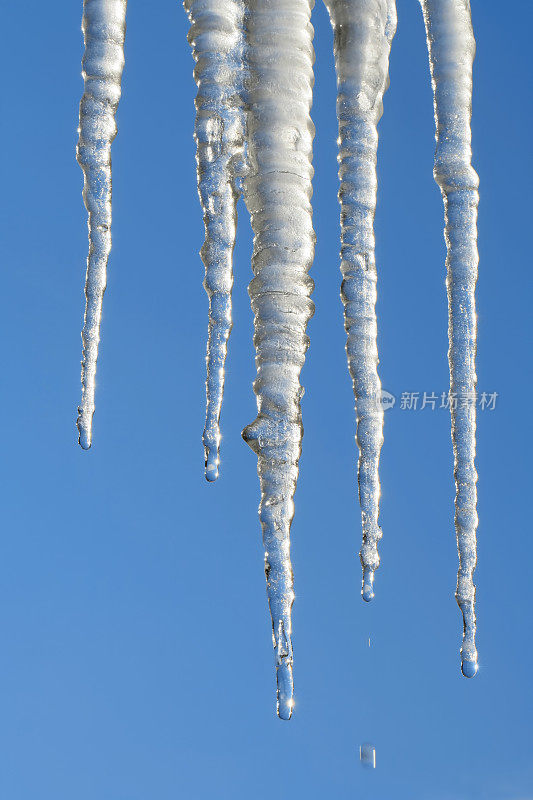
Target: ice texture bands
{"points": [[363, 32], [451, 54], [104, 28], [277, 191], [216, 38]]}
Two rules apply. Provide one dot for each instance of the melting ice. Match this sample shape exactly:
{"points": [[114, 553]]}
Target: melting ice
{"points": [[104, 29], [254, 134]]}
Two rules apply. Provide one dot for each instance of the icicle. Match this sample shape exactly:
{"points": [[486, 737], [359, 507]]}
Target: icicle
{"points": [[278, 193], [451, 53], [104, 28], [216, 37], [363, 32]]}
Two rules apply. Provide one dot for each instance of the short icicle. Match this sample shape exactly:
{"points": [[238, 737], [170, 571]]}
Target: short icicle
{"points": [[363, 33], [216, 37], [451, 47], [104, 28], [278, 191]]}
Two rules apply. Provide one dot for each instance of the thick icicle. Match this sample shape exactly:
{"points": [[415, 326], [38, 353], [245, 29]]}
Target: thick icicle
{"points": [[451, 47], [104, 28], [216, 37], [363, 32], [278, 194]]}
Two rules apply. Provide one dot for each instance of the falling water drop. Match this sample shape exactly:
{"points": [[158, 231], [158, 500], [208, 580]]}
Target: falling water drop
{"points": [[367, 755]]}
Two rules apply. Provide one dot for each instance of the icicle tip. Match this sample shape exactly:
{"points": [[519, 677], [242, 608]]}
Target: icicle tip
{"points": [[211, 453], [211, 465], [367, 590], [285, 690], [469, 668], [85, 433]]}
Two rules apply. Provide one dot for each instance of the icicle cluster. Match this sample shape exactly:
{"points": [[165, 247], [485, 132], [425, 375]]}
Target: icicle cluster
{"points": [[216, 37], [276, 98], [363, 32], [452, 48], [254, 73], [278, 196], [104, 29]]}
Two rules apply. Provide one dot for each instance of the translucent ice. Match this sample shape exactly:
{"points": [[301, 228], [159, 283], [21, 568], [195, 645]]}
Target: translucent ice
{"points": [[253, 131], [277, 191], [216, 37], [451, 54], [363, 32], [104, 28]]}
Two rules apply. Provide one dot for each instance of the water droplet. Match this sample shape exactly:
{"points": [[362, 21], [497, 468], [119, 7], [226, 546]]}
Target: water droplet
{"points": [[368, 585], [85, 439], [469, 668], [367, 755], [211, 466], [285, 690]]}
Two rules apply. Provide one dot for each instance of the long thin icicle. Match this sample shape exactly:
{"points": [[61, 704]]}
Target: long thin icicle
{"points": [[278, 194], [216, 37], [451, 47], [363, 33], [104, 29]]}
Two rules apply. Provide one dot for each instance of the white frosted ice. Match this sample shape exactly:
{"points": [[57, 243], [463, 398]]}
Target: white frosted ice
{"points": [[216, 37], [104, 28], [363, 32], [451, 54], [277, 191]]}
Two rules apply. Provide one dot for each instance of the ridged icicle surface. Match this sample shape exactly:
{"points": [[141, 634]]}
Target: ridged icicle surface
{"points": [[216, 38], [451, 47], [104, 28], [363, 32], [278, 191]]}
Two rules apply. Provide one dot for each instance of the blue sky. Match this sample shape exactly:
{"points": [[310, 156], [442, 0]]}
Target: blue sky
{"points": [[136, 657]]}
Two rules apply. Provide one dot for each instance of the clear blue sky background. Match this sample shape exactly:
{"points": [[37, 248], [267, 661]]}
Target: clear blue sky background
{"points": [[136, 659]]}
